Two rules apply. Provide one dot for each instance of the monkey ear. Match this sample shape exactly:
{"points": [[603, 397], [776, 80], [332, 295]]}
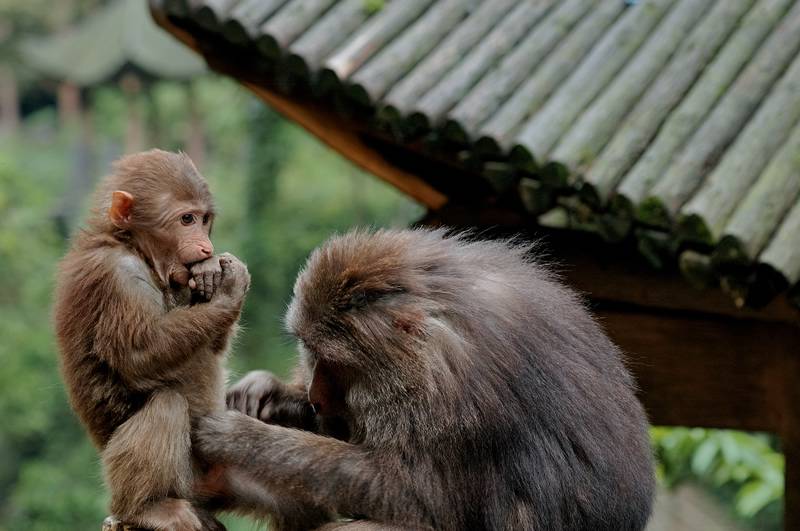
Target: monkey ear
{"points": [[120, 211]]}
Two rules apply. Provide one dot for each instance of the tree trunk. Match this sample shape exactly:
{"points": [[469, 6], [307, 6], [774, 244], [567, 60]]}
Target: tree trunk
{"points": [[69, 104], [131, 87], [195, 137], [9, 101]]}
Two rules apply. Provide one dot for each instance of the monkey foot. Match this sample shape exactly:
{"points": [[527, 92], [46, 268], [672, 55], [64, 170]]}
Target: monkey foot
{"points": [[113, 524]]}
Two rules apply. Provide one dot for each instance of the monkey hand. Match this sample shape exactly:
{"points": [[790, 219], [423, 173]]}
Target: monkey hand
{"points": [[235, 278], [206, 276], [261, 395]]}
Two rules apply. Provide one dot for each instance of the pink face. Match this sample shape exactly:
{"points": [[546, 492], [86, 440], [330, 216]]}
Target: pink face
{"points": [[191, 231]]}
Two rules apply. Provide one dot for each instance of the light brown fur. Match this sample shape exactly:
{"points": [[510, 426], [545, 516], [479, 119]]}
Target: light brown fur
{"points": [[141, 355]]}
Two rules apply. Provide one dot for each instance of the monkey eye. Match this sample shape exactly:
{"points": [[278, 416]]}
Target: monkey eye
{"points": [[205, 219], [187, 219]]}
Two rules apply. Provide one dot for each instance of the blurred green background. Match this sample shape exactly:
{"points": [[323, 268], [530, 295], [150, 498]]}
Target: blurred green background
{"points": [[280, 193]]}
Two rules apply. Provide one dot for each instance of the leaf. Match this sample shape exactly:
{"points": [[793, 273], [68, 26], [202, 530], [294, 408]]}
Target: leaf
{"points": [[704, 457], [753, 497]]}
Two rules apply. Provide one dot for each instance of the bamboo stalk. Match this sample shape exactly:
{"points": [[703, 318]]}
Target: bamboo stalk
{"points": [[729, 116], [498, 132], [403, 96], [497, 84], [696, 268], [400, 56], [742, 164], [766, 203], [246, 18], [176, 8], [308, 52], [590, 132], [693, 55], [373, 35], [767, 283], [464, 75], [211, 13], [288, 23], [656, 246], [543, 130], [783, 251]]}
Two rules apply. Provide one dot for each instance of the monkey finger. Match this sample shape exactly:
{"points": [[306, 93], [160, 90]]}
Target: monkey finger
{"points": [[265, 414], [217, 279], [201, 285], [208, 279], [226, 267], [192, 284], [234, 400], [252, 405]]}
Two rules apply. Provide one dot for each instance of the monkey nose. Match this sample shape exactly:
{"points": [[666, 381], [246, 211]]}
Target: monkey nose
{"points": [[207, 250]]}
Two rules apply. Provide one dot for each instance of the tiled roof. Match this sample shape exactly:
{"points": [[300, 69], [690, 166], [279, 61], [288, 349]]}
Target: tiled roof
{"points": [[675, 121], [120, 34]]}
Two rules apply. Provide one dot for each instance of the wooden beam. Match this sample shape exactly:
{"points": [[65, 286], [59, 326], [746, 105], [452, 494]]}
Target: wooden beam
{"points": [[329, 127], [703, 370]]}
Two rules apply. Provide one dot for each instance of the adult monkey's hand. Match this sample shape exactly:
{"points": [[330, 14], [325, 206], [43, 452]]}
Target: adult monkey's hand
{"points": [[261, 395]]}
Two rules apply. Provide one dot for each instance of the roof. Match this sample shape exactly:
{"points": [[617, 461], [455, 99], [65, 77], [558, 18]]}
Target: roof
{"points": [[116, 36], [676, 123]]}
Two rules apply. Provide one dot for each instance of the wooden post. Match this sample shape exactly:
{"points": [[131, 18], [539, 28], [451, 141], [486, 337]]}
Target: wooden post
{"points": [[131, 87], [790, 436], [69, 104], [9, 100], [195, 136]]}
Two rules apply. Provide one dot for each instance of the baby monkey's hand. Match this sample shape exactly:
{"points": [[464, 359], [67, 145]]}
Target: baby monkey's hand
{"points": [[206, 277]]}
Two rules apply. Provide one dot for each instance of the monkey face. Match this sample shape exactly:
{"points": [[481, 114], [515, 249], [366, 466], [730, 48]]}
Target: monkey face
{"points": [[164, 204]]}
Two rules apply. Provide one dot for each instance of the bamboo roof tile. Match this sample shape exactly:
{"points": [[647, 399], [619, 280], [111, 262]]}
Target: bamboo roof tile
{"points": [[676, 123]]}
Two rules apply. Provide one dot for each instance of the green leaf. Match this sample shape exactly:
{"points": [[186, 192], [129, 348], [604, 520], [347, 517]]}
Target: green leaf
{"points": [[704, 457], [753, 497]]}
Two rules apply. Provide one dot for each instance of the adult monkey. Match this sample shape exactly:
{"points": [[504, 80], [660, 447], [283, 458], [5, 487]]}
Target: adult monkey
{"points": [[475, 390], [140, 353]]}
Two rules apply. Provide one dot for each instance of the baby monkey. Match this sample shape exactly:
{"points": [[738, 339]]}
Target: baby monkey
{"points": [[144, 313]]}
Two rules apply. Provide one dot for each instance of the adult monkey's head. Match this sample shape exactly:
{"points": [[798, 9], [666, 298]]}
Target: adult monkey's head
{"points": [[389, 321], [160, 203]]}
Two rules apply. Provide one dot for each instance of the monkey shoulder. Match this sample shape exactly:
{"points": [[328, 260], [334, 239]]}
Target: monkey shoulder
{"points": [[133, 277]]}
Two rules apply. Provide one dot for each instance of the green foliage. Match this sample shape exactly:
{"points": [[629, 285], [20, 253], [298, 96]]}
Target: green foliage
{"points": [[745, 468]]}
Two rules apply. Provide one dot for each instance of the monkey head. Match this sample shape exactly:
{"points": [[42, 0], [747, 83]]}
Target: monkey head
{"points": [[162, 205], [377, 322]]}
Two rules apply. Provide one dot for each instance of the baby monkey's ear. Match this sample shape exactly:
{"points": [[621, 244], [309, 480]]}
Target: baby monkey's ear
{"points": [[120, 210]]}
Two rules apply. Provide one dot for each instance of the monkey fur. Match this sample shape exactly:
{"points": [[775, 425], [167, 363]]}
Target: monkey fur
{"points": [[471, 390], [142, 357]]}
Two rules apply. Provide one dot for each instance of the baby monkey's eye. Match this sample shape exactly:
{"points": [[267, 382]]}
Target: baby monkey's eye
{"points": [[205, 219], [187, 219]]}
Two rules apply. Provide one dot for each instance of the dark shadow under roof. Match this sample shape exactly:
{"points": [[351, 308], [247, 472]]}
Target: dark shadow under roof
{"points": [[677, 122]]}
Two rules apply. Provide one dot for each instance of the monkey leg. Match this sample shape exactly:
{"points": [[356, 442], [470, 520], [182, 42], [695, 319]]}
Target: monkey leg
{"points": [[239, 493], [285, 463], [148, 466]]}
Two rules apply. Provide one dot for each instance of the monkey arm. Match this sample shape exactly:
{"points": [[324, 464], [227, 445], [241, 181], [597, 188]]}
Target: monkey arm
{"points": [[141, 340], [344, 477]]}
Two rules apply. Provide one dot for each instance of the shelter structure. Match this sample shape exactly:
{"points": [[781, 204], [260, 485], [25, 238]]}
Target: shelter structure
{"points": [[653, 145]]}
